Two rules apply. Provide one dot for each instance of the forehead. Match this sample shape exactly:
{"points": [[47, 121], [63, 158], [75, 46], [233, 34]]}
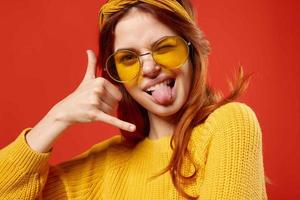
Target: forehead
{"points": [[139, 30]]}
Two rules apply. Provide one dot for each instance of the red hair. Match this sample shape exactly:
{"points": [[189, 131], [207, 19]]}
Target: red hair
{"points": [[202, 99]]}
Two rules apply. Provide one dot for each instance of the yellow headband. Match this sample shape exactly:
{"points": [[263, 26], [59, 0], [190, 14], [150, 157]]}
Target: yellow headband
{"points": [[114, 6]]}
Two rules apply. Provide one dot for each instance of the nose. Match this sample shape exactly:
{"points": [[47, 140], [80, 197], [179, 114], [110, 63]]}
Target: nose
{"points": [[149, 67]]}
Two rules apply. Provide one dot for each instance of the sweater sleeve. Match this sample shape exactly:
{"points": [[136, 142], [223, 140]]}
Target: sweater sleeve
{"points": [[26, 174], [23, 172], [234, 166]]}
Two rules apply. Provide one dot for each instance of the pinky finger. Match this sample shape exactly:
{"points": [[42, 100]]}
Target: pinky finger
{"points": [[115, 122]]}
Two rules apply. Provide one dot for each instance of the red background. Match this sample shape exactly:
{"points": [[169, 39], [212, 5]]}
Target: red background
{"points": [[43, 59]]}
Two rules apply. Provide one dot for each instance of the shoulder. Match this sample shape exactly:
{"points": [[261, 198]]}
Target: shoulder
{"points": [[97, 153], [106, 144], [233, 116], [234, 128], [231, 124], [230, 115]]}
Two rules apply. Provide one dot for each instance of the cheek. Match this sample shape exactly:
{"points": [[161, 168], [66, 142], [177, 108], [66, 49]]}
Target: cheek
{"points": [[133, 92], [133, 88], [187, 73]]}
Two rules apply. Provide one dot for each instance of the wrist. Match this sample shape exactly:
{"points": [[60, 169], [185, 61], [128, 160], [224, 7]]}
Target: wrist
{"points": [[57, 118], [43, 135]]}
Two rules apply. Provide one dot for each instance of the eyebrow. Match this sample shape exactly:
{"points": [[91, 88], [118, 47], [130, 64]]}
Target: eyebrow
{"points": [[127, 49]]}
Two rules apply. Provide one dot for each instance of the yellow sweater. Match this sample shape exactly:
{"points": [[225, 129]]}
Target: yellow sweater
{"points": [[227, 147]]}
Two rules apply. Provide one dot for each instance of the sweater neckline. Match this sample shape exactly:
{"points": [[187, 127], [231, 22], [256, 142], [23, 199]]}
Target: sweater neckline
{"points": [[154, 146], [158, 142], [166, 137]]}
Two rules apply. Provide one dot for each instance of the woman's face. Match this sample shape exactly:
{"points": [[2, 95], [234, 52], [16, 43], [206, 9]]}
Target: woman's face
{"points": [[139, 31]]}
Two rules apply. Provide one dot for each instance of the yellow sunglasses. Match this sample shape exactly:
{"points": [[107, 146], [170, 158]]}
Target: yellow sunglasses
{"points": [[170, 52]]}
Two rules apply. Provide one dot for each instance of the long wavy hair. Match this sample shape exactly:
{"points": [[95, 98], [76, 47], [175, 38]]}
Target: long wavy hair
{"points": [[202, 99]]}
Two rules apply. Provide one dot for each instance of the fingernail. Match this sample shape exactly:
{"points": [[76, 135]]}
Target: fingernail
{"points": [[131, 128]]}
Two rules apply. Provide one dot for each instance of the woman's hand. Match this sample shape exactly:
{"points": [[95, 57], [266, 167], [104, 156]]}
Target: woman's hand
{"points": [[95, 99]]}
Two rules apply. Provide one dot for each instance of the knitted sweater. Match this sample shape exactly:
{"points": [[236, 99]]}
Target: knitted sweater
{"points": [[227, 149]]}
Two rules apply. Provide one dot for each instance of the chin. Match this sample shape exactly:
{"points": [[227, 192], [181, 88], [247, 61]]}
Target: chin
{"points": [[164, 112]]}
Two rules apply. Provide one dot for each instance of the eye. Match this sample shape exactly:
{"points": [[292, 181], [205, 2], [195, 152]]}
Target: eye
{"points": [[165, 48], [127, 58], [166, 45]]}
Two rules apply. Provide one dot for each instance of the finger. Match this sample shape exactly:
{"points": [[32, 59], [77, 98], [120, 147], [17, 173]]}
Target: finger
{"points": [[113, 90], [105, 107], [103, 93], [108, 99], [116, 122], [91, 66]]}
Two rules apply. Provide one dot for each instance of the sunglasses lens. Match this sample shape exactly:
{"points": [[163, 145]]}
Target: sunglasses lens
{"points": [[171, 52], [123, 66]]}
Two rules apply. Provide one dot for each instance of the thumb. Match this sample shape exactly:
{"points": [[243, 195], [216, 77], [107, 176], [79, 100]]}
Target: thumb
{"points": [[91, 65]]}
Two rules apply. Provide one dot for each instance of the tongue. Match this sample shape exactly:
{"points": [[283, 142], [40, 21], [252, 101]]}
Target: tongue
{"points": [[163, 95]]}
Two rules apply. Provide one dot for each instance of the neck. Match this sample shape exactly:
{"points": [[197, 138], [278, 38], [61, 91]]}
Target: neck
{"points": [[159, 126]]}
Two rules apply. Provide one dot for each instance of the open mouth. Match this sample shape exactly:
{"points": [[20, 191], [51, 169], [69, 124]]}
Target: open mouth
{"points": [[169, 82]]}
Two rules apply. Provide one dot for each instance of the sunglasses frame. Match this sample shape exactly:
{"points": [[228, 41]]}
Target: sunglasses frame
{"points": [[188, 45]]}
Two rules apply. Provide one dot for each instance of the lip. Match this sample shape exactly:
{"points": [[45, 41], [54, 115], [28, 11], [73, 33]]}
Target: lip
{"points": [[155, 81], [174, 93]]}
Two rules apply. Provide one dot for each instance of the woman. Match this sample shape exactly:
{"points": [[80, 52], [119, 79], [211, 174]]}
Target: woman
{"points": [[179, 138]]}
